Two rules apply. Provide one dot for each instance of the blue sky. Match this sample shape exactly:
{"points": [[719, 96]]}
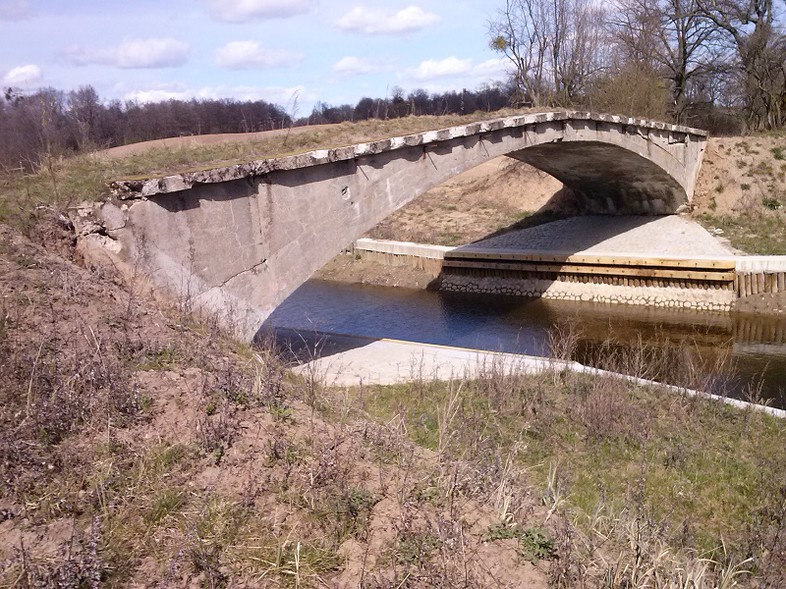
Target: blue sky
{"points": [[335, 51]]}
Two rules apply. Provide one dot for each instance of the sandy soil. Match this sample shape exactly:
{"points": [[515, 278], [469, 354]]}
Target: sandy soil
{"points": [[142, 447], [741, 173], [473, 205]]}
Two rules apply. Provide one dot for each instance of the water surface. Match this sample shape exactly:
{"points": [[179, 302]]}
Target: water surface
{"points": [[729, 354]]}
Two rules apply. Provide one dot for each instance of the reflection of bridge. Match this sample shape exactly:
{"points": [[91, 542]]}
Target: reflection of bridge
{"points": [[242, 238]]}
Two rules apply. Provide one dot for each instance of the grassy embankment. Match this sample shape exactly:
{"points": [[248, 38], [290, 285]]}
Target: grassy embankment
{"points": [[65, 181], [140, 446], [742, 191]]}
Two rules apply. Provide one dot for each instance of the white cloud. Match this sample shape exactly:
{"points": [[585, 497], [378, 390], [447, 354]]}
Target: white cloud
{"points": [[240, 11], [351, 66], [22, 76], [134, 53], [155, 96], [275, 94], [281, 95], [492, 68], [249, 55], [15, 10], [371, 21], [448, 67], [453, 67]]}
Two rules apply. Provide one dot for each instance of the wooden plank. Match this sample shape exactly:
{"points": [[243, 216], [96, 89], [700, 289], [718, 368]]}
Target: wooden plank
{"points": [[606, 260], [596, 270]]}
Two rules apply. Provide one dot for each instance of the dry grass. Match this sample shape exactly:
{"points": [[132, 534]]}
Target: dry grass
{"points": [[141, 447], [643, 488], [742, 191], [86, 177]]}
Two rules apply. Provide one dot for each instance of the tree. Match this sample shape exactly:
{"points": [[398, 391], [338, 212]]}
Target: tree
{"points": [[672, 38], [84, 108], [519, 33], [554, 46], [749, 28]]}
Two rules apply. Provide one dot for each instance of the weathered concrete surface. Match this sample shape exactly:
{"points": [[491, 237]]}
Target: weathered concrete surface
{"points": [[241, 238]]}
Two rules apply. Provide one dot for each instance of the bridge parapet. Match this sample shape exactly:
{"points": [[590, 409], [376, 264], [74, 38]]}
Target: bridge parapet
{"points": [[684, 144], [241, 238]]}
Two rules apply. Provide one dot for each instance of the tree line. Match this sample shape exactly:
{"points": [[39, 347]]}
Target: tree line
{"points": [[716, 63], [52, 122]]}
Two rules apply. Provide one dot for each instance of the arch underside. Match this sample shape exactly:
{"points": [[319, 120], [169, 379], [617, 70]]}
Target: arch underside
{"points": [[607, 178]]}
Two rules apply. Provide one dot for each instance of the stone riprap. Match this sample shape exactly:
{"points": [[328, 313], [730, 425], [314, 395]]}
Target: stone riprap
{"points": [[650, 243], [720, 300], [241, 238]]}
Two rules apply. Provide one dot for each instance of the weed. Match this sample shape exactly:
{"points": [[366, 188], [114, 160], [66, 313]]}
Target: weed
{"points": [[268, 385], [745, 186], [164, 504], [534, 544], [415, 549], [160, 358], [216, 433], [210, 533], [779, 153], [80, 567]]}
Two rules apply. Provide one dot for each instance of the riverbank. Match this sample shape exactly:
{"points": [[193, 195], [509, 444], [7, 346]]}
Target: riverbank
{"points": [[366, 268], [142, 446], [631, 260], [352, 361]]}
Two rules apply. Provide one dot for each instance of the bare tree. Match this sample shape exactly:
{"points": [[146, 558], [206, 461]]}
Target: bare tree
{"points": [[555, 47], [519, 32], [84, 108], [749, 26], [672, 38], [580, 49]]}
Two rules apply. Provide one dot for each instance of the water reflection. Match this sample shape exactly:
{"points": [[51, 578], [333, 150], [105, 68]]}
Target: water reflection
{"points": [[727, 353]]}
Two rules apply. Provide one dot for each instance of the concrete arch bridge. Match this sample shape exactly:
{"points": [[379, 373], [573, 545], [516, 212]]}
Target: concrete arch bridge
{"points": [[242, 238]]}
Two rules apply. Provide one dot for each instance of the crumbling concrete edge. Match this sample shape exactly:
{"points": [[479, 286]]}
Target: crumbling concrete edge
{"points": [[137, 188]]}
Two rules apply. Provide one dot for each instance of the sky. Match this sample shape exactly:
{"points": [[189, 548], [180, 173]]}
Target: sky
{"points": [[289, 52]]}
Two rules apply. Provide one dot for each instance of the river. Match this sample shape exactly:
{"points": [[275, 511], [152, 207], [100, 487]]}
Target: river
{"points": [[726, 354]]}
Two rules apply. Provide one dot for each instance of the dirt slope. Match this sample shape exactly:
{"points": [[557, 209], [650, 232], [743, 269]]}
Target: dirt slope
{"points": [[139, 447]]}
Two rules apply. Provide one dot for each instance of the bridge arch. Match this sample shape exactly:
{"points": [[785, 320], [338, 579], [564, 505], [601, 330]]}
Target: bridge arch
{"points": [[243, 237]]}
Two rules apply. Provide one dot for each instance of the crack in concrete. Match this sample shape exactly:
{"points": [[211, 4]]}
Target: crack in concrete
{"points": [[231, 278]]}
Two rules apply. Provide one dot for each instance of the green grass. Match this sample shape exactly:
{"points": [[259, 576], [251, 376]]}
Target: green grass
{"points": [[763, 234], [705, 471]]}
